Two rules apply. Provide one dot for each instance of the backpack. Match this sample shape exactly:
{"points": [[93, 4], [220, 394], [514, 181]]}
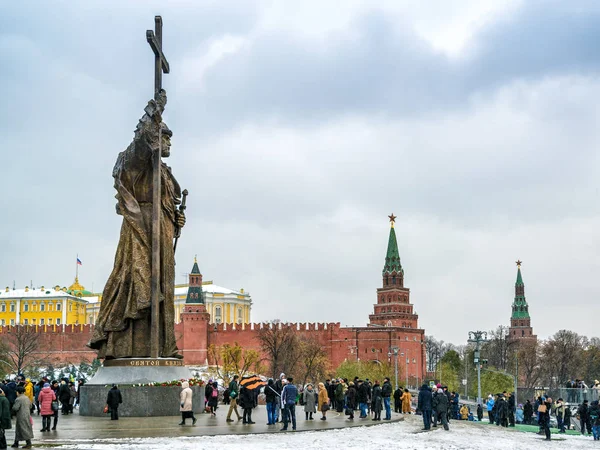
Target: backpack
{"points": [[215, 393]]}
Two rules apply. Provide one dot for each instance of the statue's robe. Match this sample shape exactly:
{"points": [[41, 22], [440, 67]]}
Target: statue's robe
{"points": [[122, 329]]}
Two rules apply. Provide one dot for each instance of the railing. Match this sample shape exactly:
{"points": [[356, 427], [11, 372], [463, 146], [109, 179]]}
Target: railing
{"points": [[572, 396]]}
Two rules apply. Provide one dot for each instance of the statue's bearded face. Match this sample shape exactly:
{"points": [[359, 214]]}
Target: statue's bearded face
{"points": [[166, 146]]}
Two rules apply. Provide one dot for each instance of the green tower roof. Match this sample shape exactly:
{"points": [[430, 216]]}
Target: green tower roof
{"points": [[195, 294], [520, 309], [196, 269], [392, 257], [519, 277]]}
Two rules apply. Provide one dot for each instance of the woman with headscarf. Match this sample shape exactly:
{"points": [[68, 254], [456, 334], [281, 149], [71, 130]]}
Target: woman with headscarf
{"points": [[45, 399], [309, 398], [323, 401], [5, 422], [185, 403], [22, 410]]}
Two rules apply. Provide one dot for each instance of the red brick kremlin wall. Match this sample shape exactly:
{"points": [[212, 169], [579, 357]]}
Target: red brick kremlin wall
{"points": [[66, 344]]}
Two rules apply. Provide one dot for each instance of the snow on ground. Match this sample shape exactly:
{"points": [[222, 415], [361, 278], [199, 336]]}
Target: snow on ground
{"points": [[401, 435]]}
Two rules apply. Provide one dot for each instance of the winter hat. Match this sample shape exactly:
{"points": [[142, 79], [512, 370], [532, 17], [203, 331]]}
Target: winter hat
{"points": [[46, 385], [440, 391], [282, 375]]}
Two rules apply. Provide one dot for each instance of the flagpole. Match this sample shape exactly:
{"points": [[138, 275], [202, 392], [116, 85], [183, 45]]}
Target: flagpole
{"points": [[77, 267]]}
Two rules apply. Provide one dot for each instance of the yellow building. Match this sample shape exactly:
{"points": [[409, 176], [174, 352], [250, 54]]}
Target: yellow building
{"points": [[76, 305], [224, 305], [41, 306]]}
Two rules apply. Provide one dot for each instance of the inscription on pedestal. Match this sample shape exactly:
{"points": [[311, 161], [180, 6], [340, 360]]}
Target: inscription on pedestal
{"points": [[142, 362]]}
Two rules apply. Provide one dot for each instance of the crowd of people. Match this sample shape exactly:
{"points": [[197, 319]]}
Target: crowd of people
{"points": [[282, 395], [502, 412], [21, 398]]}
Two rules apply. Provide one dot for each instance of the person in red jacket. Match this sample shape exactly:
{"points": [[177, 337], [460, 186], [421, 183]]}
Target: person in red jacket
{"points": [[45, 399]]}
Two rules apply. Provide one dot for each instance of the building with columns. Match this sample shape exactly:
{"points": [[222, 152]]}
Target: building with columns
{"points": [[41, 306], [224, 305], [520, 321]]}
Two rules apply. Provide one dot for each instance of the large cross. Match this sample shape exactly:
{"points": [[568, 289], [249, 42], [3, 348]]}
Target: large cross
{"points": [[161, 64]]}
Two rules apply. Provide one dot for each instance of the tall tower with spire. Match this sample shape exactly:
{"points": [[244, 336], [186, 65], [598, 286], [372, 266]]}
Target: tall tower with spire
{"points": [[195, 294], [520, 321], [393, 307]]}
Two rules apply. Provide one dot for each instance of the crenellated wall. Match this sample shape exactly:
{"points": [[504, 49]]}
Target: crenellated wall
{"points": [[67, 343]]}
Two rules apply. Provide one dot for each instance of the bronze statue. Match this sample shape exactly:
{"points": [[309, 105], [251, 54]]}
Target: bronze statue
{"points": [[124, 326]]}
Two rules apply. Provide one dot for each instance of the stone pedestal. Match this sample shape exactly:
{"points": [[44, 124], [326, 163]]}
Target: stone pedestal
{"points": [[139, 401]]}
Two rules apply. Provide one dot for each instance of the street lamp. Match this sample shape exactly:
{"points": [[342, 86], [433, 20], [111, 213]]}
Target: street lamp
{"points": [[395, 353], [477, 337], [407, 362]]}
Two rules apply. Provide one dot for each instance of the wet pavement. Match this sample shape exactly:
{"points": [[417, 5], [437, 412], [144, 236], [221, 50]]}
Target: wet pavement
{"points": [[75, 428]]}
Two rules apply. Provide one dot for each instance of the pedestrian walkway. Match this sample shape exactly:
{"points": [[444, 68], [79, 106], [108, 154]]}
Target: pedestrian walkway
{"points": [[75, 428]]}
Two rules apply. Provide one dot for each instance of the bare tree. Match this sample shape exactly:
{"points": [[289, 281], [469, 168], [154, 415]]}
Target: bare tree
{"points": [[280, 344], [313, 360], [234, 360], [22, 346], [499, 350], [435, 351], [563, 353], [528, 354]]}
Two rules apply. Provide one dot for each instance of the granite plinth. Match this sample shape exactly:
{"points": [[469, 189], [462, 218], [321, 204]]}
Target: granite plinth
{"points": [[139, 401], [140, 370]]}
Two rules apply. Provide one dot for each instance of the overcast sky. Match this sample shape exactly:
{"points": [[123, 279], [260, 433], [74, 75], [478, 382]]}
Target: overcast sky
{"points": [[298, 127]]}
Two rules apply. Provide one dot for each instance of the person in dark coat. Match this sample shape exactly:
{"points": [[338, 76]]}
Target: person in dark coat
{"points": [[440, 406], [331, 393], [584, 417], [272, 400], [527, 412], [479, 412], [362, 397], [544, 417], [212, 399], [113, 400], [5, 422], [511, 409], [424, 404], [10, 392], [351, 400], [376, 401], [64, 395], [247, 403], [386, 392], [502, 412], [397, 401]]}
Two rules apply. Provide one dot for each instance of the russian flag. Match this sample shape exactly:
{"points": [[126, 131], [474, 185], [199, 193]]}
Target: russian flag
{"points": [[79, 262]]}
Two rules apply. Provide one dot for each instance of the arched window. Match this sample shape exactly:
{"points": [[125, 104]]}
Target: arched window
{"points": [[389, 324], [239, 315], [394, 279]]}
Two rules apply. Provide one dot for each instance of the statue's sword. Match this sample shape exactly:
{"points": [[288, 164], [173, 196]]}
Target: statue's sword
{"points": [[181, 209]]}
